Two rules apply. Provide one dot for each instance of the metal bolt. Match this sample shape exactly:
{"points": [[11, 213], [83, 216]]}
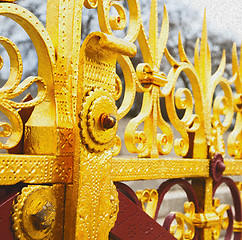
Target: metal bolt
{"points": [[220, 167], [44, 217], [107, 121]]}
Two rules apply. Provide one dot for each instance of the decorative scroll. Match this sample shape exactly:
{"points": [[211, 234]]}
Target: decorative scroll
{"points": [[225, 222], [184, 227], [219, 217], [237, 205], [109, 23], [148, 143], [150, 198], [207, 127], [201, 127], [186, 223], [75, 111], [12, 89], [234, 140]]}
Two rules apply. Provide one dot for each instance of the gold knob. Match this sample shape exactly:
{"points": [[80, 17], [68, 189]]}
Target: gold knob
{"points": [[107, 121], [44, 217]]}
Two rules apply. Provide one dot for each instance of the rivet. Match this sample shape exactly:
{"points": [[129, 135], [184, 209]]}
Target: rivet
{"points": [[107, 121]]}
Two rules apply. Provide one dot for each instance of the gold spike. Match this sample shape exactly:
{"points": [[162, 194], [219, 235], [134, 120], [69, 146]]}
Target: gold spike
{"points": [[209, 68], [145, 47], [205, 72], [204, 38], [181, 50], [240, 64], [235, 69], [170, 59], [221, 67], [196, 56], [153, 28], [233, 78], [163, 37]]}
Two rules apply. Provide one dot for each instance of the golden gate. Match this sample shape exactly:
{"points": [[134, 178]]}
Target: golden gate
{"points": [[61, 176]]}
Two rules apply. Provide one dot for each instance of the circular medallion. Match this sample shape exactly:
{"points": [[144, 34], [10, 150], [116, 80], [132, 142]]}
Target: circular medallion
{"points": [[34, 213], [217, 167], [98, 120]]}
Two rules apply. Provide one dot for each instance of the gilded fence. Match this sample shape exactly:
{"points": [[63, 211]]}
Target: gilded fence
{"points": [[63, 169]]}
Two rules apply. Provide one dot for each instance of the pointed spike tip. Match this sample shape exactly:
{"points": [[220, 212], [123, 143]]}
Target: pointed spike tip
{"points": [[165, 9], [235, 67], [240, 64], [205, 13], [234, 49], [205, 20], [179, 37], [196, 54], [204, 41], [224, 54]]}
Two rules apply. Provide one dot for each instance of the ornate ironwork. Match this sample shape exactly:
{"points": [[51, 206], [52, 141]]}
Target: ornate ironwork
{"points": [[70, 140]]}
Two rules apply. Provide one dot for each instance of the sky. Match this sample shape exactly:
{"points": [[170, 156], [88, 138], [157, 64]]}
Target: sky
{"points": [[225, 15]]}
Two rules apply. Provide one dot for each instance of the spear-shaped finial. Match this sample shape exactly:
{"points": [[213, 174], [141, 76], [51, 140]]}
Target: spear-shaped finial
{"points": [[205, 60]]}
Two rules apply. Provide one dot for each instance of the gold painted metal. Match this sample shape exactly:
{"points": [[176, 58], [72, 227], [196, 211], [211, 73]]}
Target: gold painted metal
{"points": [[71, 138], [233, 167], [148, 143], [38, 212], [237, 227], [93, 165], [12, 89], [235, 136], [150, 198], [35, 169], [204, 191], [41, 124], [185, 228], [215, 221], [127, 169]]}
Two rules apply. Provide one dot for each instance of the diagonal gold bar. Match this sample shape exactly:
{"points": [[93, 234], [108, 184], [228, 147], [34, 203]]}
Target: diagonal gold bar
{"points": [[138, 169], [34, 169]]}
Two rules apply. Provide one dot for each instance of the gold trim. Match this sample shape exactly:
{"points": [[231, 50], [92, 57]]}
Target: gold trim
{"points": [[233, 167], [34, 169], [138, 169], [237, 226]]}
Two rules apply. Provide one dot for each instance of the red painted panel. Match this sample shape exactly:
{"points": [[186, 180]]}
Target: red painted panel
{"points": [[134, 224], [7, 196]]}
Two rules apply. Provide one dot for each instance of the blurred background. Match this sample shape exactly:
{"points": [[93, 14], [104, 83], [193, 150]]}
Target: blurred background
{"points": [[223, 17]]}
